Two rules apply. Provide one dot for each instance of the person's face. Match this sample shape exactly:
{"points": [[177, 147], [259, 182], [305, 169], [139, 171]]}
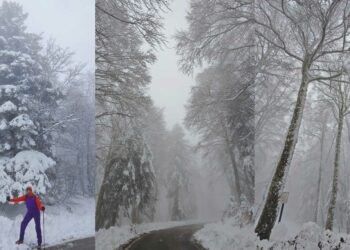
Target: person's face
{"points": [[29, 191]]}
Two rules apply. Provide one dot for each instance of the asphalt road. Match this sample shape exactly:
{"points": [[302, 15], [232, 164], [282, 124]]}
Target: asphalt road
{"points": [[82, 244], [177, 238]]}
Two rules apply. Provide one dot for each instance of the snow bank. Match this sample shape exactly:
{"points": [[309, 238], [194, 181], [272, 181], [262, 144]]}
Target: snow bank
{"points": [[226, 235], [114, 237], [61, 223], [312, 237]]}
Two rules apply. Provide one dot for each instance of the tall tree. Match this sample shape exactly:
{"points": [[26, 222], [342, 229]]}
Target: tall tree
{"points": [[178, 176], [218, 116], [26, 95], [339, 94], [287, 25], [122, 30], [221, 110]]}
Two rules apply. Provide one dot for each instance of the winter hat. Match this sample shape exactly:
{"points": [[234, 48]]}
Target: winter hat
{"points": [[29, 188]]}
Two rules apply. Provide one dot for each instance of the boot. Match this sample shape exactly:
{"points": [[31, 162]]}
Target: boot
{"points": [[19, 242]]}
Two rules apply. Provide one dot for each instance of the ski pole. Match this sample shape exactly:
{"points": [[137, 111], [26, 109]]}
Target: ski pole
{"points": [[44, 229]]}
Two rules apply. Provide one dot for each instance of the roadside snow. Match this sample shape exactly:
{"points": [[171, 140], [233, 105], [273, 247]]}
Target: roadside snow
{"points": [[226, 235], [61, 224], [114, 237]]}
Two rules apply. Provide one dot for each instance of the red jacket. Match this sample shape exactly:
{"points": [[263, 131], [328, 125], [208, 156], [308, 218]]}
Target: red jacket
{"points": [[23, 198]]}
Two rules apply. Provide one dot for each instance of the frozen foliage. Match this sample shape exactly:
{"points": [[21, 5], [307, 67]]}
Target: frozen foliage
{"points": [[62, 223], [5, 182], [23, 122], [226, 235], [29, 168], [129, 185], [8, 107]]}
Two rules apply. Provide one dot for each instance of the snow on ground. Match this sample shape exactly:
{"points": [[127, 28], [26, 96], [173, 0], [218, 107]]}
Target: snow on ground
{"points": [[114, 237], [226, 235], [61, 223]]}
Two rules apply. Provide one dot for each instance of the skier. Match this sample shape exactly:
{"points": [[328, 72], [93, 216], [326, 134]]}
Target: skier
{"points": [[33, 211]]}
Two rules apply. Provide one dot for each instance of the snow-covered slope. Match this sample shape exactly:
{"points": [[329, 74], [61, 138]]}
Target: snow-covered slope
{"points": [[61, 223]]}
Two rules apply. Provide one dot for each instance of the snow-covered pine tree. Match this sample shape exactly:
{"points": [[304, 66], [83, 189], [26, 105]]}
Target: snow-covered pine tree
{"points": [[131, 184], [122, 74], [25, 99]]}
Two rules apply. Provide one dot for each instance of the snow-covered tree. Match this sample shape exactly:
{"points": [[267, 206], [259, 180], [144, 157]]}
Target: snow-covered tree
{"points": [[338, 93], [179, 175], [122, 76], [298, 37], [131, 191], [221, 111], [75, 140], [25, 96]]}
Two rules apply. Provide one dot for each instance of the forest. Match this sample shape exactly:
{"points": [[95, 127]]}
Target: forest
{"points": [[143, 166], [269, 109]]}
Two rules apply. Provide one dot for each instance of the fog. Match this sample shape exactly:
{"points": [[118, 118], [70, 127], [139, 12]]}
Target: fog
{"points": [[70, 23], [170, 88]]}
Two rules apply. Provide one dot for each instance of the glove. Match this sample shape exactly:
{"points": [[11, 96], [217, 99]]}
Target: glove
{"points": [[43, 209], [8, 198]]}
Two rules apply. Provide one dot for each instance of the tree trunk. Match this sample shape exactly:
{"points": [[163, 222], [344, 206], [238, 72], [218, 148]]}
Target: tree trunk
{"points": [[269, 213], [330, 215], [318, 192]]}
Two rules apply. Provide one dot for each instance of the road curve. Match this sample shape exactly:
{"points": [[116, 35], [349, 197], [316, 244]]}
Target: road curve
{"points": [[177, 238]]}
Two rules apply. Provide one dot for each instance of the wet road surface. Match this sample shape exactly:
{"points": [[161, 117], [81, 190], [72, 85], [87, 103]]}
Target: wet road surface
{"points": [[177, 238]]}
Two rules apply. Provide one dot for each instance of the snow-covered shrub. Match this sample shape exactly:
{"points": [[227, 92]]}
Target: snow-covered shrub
{"points": [[28, 168], [312, 237]]}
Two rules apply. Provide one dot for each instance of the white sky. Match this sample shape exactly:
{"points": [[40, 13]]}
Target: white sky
{"points": [[70, 22], [170, 88]]}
